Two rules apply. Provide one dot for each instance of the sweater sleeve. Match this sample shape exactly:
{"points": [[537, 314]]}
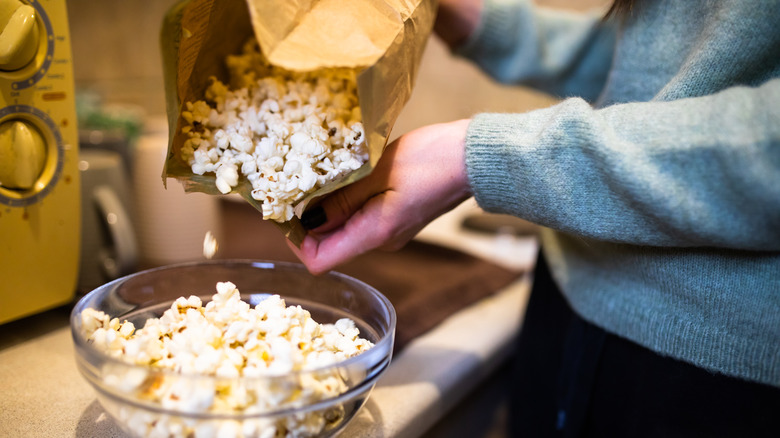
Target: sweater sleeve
{"points": [[702, 171], [559, 52]]}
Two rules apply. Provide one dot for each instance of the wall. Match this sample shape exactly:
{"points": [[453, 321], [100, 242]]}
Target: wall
{"points": [[116, 50]]}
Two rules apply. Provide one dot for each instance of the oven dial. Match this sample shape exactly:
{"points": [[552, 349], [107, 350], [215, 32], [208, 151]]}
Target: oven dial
{"points": [[32, 155], [22, 155], [19, 35]]}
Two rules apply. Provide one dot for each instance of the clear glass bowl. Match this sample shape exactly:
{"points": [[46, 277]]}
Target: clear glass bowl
{"points": [[327, 297]]}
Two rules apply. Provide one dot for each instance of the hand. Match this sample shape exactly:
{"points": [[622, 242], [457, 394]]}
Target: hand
{"points": [[456, 20], [420, 176]]}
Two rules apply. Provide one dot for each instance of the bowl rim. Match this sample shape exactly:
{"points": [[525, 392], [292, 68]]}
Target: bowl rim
{"points": [[386, 342]]}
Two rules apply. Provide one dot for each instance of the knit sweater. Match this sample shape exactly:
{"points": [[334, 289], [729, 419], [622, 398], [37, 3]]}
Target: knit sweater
{"points": [[657, 175]]}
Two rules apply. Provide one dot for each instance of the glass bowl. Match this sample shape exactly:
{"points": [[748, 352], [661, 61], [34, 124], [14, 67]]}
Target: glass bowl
{"points": [[272, 405]]}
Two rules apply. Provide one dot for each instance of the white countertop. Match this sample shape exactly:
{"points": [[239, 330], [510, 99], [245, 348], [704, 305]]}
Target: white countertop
{"points": [[44, 394]]}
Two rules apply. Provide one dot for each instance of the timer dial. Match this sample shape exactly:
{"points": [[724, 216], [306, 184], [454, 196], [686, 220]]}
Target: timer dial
{"points": [[22, 154], [19, 35]]}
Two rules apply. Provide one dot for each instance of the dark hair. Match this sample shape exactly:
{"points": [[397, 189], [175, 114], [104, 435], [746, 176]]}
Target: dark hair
{"points": [[621, 8]]}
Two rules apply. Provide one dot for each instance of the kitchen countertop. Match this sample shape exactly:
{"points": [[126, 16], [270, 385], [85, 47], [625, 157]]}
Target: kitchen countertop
{"points": [[44, 394]]}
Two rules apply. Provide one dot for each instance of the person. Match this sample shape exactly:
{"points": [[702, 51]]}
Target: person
{"points": [[655, 309]]}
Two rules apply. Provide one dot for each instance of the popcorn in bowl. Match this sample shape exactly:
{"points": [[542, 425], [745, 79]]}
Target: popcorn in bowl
{"points": [[227, 339], [287, 133]]}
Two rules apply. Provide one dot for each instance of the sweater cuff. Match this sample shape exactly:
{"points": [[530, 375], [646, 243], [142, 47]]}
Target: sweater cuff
{"points": [[495, 159], [525, 164]]}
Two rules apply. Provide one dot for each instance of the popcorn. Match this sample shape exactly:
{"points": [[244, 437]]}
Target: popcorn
{"points": [[210, 245], [286, 133], [228, 339]]}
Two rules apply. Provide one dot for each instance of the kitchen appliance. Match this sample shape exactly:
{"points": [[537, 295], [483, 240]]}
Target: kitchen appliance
{"points": [[39, 177], [109, 248]]}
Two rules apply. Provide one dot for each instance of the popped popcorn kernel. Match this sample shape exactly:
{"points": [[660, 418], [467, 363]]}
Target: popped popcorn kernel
{"points": [[286, 133]]}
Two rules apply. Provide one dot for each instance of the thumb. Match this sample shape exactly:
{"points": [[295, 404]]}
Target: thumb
{"points": [[333, 210]]}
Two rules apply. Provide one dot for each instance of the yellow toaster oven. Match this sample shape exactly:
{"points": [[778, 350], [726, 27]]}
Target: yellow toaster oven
{"points": [[39, 177]]}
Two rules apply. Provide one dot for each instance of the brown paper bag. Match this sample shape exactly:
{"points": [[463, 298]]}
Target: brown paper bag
{"points": [[382, 40]]}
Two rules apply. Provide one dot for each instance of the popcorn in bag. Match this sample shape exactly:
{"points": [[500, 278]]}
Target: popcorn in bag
{"points": [[284, 102]]}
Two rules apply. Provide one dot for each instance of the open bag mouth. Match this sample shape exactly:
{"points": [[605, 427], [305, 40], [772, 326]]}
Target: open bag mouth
{"points": [[383, 46]]}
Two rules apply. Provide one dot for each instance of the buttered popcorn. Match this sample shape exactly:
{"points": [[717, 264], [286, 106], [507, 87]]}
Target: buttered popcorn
{"points": [[227, 339], [287, 133]]}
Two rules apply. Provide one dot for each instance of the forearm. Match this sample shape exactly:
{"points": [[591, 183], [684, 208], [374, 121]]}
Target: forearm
{"points": [[694, 172], [559, 52]]}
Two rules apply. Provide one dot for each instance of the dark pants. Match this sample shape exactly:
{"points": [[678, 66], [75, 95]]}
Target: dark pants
{"points": [[573, 379]]}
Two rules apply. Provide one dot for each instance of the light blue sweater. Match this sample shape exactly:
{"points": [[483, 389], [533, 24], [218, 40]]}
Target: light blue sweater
{"points": [[659, 171]]}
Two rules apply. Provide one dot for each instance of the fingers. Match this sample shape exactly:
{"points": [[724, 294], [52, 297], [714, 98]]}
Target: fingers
{"points": [[335, 208], [456, 20], [363, 231]]}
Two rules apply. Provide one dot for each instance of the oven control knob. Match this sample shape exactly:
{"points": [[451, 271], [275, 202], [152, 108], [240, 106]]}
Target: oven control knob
{"points": [[22, 154], [19, 34]]}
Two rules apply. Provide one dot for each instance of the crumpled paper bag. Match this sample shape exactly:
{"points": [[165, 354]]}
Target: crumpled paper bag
{"points": [[382, 41]]}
